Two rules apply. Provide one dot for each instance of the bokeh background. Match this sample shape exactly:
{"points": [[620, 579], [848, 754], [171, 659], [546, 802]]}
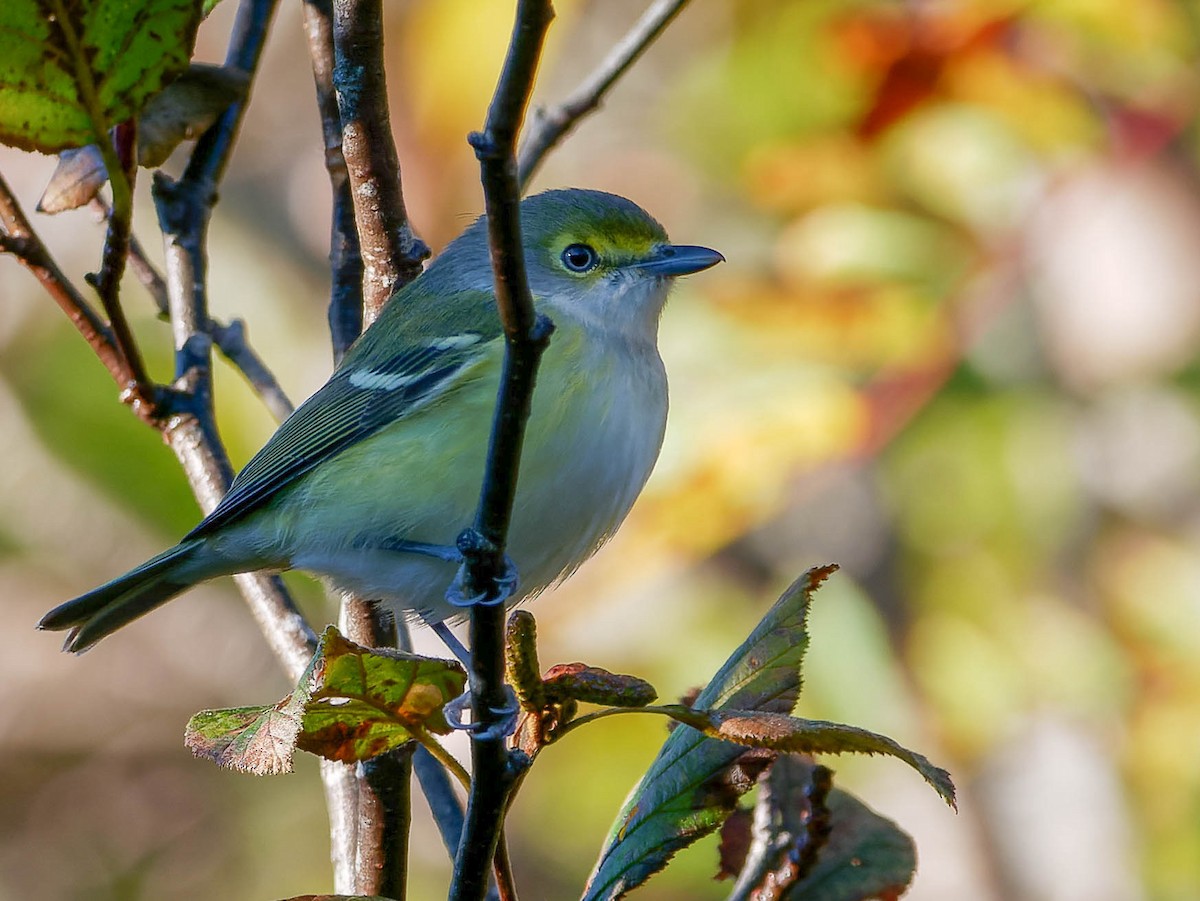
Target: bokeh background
{"points": [[954, 349]]}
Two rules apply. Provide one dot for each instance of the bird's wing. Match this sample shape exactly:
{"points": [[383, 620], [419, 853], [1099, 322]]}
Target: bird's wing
{"points": [[367, 392]]}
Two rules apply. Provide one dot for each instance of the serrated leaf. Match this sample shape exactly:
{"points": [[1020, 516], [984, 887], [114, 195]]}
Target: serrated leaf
{"points": [[683, 797], [72, 69], [866, 856], [258, 740], [791, 734], [351, 704]]}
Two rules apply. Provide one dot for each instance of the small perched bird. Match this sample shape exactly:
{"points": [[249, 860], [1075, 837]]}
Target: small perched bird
{"points": [[369, 482]]}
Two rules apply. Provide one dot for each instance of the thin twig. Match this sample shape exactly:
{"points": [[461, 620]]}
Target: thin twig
{"points": [[23, 242], [391, 252], [122, 152], [230, 339], [526, 336], [506, 886], [551, 125], [232, 342], [345, 256]]}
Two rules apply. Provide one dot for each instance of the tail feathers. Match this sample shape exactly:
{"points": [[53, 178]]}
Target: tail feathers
{"points": [[100, 612]]}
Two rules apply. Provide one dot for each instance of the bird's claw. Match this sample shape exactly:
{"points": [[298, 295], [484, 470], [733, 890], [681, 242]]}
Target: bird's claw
{"points": [[506, 716], [505, 586]]}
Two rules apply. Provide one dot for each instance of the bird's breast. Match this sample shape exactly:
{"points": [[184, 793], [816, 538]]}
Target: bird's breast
{"points": [[589, 451]]}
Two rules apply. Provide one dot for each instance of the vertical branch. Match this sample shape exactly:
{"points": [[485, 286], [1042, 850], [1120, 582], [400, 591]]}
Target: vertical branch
{"points": [[373, 253], [121, 152], [345, 256], [391, 252], [526, 335]]}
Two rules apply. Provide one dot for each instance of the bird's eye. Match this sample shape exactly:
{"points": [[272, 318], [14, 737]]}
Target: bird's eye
{"points": [[580, 257]]}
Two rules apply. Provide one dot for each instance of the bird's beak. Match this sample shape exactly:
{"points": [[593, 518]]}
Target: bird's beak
{"points": [[670, 260]]}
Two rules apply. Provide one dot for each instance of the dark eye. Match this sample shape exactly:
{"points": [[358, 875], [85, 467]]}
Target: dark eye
{"points": [[580, 257]]}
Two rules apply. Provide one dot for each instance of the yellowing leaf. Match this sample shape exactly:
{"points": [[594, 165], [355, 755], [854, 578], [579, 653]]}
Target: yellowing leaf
{"points": [[69, 71], [351, 704]]}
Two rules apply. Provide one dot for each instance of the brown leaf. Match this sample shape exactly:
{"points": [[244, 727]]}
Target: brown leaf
{"points": [[593, 685], [79, 175], [185, 109], [735, 843]]}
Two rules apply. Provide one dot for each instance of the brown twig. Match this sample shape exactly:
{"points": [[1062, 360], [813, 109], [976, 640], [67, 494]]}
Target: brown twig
{"points": [[22, 242], [551, 125], [392, 254], [373, 252]]}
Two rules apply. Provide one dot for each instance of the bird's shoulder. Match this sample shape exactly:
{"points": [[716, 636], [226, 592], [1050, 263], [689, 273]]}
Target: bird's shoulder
{"points": [[420, 351]]}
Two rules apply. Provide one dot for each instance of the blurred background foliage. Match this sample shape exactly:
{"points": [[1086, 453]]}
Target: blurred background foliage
{"points": [[954, 349]]}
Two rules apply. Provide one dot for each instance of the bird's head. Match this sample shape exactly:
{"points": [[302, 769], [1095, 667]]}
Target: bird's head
{"points": [[594, 257]]}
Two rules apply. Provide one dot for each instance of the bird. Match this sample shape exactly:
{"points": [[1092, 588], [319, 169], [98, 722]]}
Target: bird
{"points": [[369, 482]]}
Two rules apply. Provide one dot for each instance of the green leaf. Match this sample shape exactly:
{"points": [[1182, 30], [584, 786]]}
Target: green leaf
{"points": [[351, 704], [183, 110], [693, 784], [258, 740], [72, 69]]}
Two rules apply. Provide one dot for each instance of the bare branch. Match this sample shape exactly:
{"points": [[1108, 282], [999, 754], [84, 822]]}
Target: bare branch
{"points": [[551, 125], [373, 252], [391, 252], [526, 337], [230, 339], [345, 256], [184, 208]]}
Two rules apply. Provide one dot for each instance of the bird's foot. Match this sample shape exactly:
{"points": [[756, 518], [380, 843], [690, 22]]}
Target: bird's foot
{"points": [[461, 593], [506, 716]]}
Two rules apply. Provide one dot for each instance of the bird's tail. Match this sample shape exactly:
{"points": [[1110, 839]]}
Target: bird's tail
{"points": [[103, 610]]}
